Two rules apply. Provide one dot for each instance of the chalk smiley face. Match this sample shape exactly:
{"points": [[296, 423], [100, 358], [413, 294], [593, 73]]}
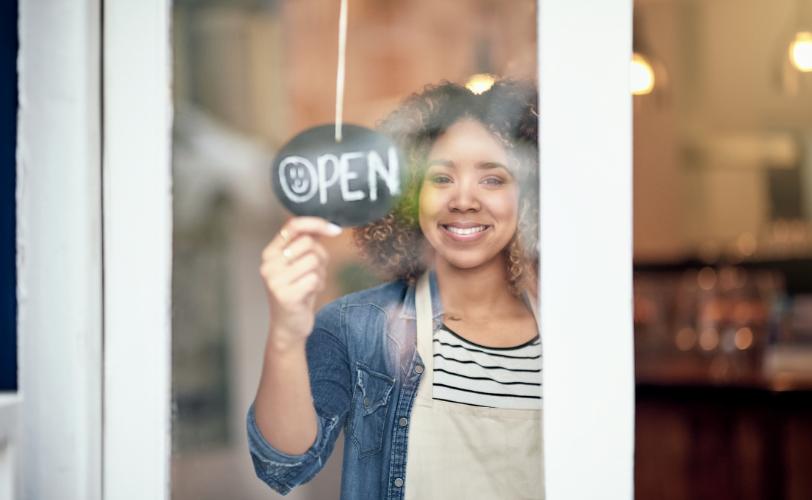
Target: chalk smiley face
{"points": [[300, 183], [297, 178]]}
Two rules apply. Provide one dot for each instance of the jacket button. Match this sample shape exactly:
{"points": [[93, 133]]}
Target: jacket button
{"points": [[418, 369], [367, 401], [403, 422], [398, 482]]}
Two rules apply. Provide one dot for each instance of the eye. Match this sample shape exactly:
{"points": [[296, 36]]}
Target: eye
{"points": [[493, 181], [440, 179]]}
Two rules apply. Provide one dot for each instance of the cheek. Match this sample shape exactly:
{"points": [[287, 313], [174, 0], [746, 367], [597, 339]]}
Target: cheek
{"points": [[507, 207], [428, 205]]}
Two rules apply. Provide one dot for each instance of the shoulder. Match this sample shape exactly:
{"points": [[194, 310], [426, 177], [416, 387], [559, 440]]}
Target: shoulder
{"points": [[387, 297]]}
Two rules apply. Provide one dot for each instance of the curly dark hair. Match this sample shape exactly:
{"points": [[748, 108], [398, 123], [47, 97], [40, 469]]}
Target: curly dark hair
{"points": [[394, 246]]}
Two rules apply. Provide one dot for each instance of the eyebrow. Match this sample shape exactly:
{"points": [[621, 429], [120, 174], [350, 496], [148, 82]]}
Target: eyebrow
{"points": [[484, 165], [441, 162]]}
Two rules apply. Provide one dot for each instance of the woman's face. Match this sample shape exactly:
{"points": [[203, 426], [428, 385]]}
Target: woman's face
{"points": [[469, 200]]}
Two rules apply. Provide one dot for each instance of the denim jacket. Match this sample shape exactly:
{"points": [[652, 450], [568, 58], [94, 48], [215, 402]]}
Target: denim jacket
{"points": [[364, 374]]}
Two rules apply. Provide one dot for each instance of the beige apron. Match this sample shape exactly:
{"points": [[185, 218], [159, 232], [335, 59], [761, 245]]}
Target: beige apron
{"points": [[461, 451]]}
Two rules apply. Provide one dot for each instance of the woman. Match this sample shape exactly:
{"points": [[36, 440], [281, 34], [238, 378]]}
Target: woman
{"points": [[435, 376]]}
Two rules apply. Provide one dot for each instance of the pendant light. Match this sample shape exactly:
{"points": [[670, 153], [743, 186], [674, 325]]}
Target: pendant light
{"points": [[641, 75], [480, 82], [800, 51], [646, 73], [794, 52], [484, 77]]}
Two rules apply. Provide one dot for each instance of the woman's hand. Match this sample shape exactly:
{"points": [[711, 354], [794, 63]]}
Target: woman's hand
{"points": [[294, 268]]}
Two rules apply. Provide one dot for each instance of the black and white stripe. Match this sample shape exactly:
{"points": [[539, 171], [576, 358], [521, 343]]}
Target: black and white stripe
{"points": [[472, 374]]}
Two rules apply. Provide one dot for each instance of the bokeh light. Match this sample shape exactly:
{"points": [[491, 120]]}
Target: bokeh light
{"points": [[709, 339], [480, 83], [800, 51], [706, 279], [728, 278], [747, 244], [641, 75], [685, 339], [744, 338]]}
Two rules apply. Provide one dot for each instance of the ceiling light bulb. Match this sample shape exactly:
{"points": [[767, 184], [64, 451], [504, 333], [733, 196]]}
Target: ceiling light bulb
{"points": [[480, 82], [641, 75], [800, 51]]}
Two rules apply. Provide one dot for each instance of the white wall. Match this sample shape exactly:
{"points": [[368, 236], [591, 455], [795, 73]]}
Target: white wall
{"points": [[586, 247], [59, 249]]}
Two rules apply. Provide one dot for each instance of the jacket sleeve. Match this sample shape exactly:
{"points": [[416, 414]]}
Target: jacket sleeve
{"points": [[331, 387]]}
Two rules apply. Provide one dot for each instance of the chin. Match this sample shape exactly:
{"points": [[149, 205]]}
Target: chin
{"points": [[468, 261]]}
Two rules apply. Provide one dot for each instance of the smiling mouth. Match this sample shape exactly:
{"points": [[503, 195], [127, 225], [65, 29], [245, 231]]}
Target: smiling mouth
{"points": [[470, 230]]}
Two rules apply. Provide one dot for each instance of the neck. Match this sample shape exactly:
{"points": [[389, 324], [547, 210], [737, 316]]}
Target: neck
{"points": [[474, 293]]}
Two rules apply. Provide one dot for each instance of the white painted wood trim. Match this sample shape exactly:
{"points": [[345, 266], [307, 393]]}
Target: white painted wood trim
{"points": [[59, 290], [137, 249], [9, 446], [586, 247]]}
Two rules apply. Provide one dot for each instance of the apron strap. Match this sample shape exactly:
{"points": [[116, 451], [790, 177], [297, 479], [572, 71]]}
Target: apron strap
{"points": [[425, 335]]}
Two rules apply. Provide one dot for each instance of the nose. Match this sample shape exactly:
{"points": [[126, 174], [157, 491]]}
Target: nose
{"points": [[465, 199]]}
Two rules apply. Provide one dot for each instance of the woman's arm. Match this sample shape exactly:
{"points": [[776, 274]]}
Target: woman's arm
{"points": [[294, 270]]}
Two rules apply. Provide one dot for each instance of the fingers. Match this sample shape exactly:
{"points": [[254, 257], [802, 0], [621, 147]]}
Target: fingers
{"points": [[285, 267], [308, 284], [309, 263], [295, 228], [299, 292], [280, 260], [302, 246], [294, 264], [312, 225], [306, 277]]}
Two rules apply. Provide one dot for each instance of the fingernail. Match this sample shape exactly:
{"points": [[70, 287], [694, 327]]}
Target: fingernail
{"points": [[333, 229]]}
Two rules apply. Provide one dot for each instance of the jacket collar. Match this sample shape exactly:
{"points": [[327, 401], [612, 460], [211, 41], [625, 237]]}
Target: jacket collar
{"points": [[408, 311]]}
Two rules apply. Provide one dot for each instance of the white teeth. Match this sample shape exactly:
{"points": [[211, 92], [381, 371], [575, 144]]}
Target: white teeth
{"points": [[472, 230]]}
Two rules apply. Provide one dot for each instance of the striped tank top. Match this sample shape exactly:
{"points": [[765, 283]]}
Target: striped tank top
{"points": [[472, 374]]}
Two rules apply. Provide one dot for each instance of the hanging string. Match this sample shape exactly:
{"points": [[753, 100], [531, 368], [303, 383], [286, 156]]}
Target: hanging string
{"points": [[342, 46]]}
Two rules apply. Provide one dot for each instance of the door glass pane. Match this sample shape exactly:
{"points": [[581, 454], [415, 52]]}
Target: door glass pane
{"points": [[248, 76]]}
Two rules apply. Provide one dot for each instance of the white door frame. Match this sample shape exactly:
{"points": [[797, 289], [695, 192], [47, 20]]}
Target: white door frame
{"points": [[91, 418], [137, 249], [585, 144], [59, 251]]}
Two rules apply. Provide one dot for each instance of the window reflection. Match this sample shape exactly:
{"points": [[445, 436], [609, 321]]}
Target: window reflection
{"points": [[248, 76]]}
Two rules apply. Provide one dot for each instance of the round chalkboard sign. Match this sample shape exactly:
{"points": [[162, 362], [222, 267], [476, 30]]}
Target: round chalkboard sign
{"points": [[349, 183]]}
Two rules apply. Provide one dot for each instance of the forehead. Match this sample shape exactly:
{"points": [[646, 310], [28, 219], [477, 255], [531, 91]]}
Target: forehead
{"points": [[468, 140]]}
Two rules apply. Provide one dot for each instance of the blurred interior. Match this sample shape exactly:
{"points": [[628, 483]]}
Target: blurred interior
{"points": [[723, 249], [722, 204]]}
